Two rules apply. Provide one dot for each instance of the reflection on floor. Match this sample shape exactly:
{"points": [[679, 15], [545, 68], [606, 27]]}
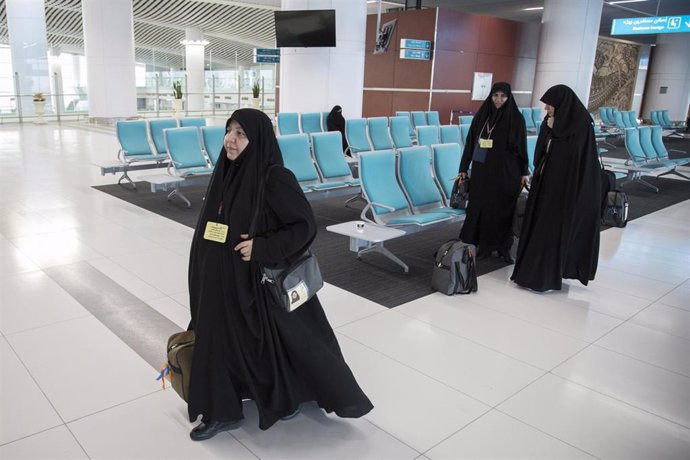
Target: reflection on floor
{"points": [[589, 372]]}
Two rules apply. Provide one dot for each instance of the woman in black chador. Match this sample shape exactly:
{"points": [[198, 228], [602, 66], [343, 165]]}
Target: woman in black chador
{"points": [[497, 150], [248, 347], [560, 231], [336, 122]]}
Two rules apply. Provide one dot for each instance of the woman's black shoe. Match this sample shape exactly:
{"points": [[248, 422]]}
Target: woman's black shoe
{"points": [[208, 430]]}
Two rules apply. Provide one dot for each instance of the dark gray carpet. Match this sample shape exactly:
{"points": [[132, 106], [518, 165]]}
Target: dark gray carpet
{"points": [[375, 277]]}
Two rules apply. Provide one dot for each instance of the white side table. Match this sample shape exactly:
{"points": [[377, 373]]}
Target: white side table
{"points": [[370, 239]]}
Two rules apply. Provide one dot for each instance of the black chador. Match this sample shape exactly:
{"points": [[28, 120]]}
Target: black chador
{"points": [[246, 346], [560, 231], [496, 173]]}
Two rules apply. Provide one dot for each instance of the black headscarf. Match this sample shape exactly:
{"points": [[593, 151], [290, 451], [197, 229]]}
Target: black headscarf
{"points": [[335, 120], [570, 115], [508, 114]]}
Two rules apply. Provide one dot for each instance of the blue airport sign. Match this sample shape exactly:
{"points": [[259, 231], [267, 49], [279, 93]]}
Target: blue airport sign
{"points": [[420, 55], [267, 51], [415, 44], [268, 59], [653, 25]]}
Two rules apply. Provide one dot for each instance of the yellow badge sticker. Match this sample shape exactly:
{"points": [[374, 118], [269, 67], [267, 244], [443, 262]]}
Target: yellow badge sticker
{"points": [[486, 143], [216, 232]]}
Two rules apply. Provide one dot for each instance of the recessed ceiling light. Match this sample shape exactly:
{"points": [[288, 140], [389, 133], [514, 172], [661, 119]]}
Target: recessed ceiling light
{"points": [[617, 2], [534, 8]]}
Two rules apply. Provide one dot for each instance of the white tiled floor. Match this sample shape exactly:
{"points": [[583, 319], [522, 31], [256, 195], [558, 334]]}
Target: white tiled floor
{"points": [[589, 372]]}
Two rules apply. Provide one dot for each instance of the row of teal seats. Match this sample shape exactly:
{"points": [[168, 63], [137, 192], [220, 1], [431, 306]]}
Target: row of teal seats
{"points": [[646, 147], [317, 161], [142, 140], [301, 123], [533, 118], [193, 150], [661, 118], [411, 186]]}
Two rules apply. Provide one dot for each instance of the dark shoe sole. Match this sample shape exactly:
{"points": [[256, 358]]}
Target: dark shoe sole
{"points": [[204, 431]]}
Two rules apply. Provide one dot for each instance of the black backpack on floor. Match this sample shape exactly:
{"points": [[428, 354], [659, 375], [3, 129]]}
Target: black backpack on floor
{"points": [[455, 268]]}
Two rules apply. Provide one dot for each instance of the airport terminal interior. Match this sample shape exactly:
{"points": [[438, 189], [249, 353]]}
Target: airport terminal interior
{"points": [[94, 268]]}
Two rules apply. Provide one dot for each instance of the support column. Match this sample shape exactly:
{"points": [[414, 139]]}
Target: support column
{"points": [[567, 46], [109, 49], [26, 24], [316, 79], [670, 69], [194, 44]]}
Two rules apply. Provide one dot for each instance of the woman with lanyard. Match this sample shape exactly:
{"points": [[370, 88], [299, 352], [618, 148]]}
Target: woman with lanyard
{"points": [[496, 150]]}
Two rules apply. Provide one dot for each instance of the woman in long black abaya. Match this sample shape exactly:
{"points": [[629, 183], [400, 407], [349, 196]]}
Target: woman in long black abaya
{"points": [[246, 346], [497, 172], [336, 122], [560, 231]]}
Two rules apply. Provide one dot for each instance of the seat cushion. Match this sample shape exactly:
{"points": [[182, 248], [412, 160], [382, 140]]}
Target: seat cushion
{"points": [[419, 219]]}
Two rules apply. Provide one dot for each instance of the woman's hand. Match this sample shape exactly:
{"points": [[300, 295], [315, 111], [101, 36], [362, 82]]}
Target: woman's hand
{"points": [[524, 181], [460, 178], [549, 122], [245, 248]]}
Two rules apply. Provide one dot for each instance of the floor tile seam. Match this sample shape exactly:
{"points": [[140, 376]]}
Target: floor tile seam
{"points": [[417, 371], [520, 360], [621, 401], [88, 314], [113, 406], [550, 328], [22, 272], [649, 326], [239, 441], [368, 316], [635, 295], [548, 434], [675, 307], [371, 422], [618, 398], [130, 273], [489, 409], [40, 388], [629, 272], [643, 361], [632, 321], [32, 434]]}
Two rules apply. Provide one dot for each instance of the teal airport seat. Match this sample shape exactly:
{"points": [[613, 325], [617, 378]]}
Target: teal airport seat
{"points": [[464, 131], [212, 138], [288, 123], [428, 135], [356, 135], [446, 162], [310, 122], [330, 161], [432, 118], [418, 119], [400, 131], [417, 180], [378, 133], [134, 143], [156, 127], [198, 122], [450, 134]]}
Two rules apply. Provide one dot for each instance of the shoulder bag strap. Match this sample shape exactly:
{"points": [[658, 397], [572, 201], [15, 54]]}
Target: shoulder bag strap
{"points": [[259, 201]]}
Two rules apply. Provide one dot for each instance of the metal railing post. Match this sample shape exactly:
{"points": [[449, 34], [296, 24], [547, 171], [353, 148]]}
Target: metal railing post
{"points": [[18, 97], [213, 94], [186, 106], [58, 94], [158, 100]]}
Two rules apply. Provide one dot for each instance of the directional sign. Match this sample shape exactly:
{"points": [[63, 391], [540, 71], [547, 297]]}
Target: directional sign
{"points": [[653, 25], [270, 59], [415, 44], [267, 51], [420, 55]]}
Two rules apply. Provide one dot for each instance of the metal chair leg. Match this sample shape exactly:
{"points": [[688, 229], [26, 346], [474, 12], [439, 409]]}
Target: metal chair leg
{"points": [[126, 177], [378, 247]]}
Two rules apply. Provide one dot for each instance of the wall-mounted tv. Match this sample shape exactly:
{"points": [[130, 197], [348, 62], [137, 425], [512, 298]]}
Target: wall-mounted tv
{"points": [[305, 28]]}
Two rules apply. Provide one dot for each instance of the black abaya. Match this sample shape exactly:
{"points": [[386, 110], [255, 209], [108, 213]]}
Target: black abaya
{"points": [[336, 122], [560, 231], [495, 182], [247, 347]]}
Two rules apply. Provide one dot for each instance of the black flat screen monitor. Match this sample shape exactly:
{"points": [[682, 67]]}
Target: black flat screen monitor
{"points": [[305, 28]]}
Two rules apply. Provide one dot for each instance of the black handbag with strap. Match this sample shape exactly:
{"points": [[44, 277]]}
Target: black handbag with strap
{"points": [[290, 286], [460, 196]]}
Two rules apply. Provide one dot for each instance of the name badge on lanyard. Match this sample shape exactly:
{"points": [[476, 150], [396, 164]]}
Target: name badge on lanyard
{"points": [[216, 231], [486, 143]]}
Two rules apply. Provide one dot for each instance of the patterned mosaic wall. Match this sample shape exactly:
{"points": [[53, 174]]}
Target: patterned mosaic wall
{"points": [[615, 71]]}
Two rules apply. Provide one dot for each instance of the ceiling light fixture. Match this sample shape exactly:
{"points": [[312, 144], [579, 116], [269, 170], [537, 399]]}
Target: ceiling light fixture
{"points": [[534, 8], [618, 2]]}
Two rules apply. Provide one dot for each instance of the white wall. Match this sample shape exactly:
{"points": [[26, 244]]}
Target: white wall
{"points": [[526, 64], [670, 67], [316, 79]]}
